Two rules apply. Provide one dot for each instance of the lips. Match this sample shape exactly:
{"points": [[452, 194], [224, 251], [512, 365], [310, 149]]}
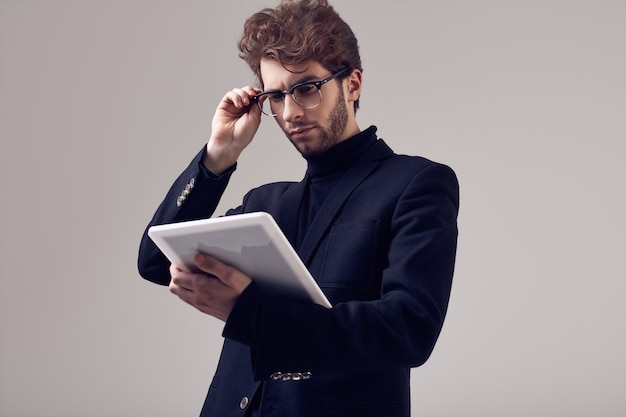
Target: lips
{"points": [[300, 132]]}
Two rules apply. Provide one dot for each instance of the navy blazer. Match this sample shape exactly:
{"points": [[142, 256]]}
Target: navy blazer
{"points": [[382, 248]]}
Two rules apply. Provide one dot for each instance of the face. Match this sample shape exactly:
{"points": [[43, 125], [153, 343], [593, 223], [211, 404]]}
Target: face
{"points": [[315, 130]]}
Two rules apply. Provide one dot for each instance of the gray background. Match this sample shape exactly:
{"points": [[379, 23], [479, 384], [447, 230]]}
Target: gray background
{"points": [[104, 102]]}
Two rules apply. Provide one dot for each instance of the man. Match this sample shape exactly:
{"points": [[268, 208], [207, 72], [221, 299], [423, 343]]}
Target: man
{"points": [[377, 231]]}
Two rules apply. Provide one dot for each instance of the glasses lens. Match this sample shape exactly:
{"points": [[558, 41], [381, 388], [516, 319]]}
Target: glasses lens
{"points": [[271, 104], [307, 95]]}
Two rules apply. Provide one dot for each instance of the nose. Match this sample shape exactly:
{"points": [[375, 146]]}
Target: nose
{"points": [[291, 110]]}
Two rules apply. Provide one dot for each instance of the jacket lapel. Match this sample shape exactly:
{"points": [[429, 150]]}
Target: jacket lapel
{"points": [[290, 204], [337, 198]]}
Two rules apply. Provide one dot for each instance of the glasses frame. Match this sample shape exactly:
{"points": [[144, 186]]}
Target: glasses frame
{"points": [[318, 84]]}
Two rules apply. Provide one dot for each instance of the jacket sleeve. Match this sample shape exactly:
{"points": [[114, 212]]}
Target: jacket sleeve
{"points": [[398, 330], [194, 195]]}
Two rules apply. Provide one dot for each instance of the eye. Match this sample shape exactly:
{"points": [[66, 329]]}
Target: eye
{"points": [[305, 90], [276, 97]]}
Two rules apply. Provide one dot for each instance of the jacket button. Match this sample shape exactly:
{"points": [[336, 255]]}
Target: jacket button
{"points": [[244, 403]]}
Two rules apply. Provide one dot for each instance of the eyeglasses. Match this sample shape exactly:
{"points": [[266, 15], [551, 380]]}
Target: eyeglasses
{"points": [[307, 95]]}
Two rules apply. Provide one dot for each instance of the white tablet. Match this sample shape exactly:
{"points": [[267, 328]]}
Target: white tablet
{"points": [[251, 242]]}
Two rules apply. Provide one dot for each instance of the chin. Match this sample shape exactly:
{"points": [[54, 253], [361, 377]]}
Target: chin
{"points": [[304, 150], [308, 151], [312, 145]]}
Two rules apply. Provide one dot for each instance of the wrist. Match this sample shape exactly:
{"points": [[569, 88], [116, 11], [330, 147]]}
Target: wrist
{"points": [[216, 160]]}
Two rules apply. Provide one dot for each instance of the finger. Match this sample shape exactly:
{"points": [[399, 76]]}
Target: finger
{"points": [[210, 265], [251, 91], [181, 281], [241, 97], [179, 288], [228, 275], [208, 295], [238, 98]]}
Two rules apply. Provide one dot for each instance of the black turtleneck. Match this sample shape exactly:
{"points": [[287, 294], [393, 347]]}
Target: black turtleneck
{"points": [[324, 172]]}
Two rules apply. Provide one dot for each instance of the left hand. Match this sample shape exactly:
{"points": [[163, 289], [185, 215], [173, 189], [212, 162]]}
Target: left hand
{"points": [[214, 292]]}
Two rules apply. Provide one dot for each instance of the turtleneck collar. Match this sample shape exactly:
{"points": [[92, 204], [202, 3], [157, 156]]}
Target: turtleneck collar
{"points": [[341, 155]]}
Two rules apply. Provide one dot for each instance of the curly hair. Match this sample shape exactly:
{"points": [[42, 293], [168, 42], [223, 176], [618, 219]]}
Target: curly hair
{"points": [[296, 32]]}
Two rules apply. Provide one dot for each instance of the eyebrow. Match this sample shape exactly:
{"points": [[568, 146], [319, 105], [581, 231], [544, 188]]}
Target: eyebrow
{"points": [[305, 79]]}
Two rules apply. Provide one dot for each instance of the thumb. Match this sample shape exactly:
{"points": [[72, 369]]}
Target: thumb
{"points": [[228, 275], [208, 264]]}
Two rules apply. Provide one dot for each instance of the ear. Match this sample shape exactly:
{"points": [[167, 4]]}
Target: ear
{"points": [[353, 85]]}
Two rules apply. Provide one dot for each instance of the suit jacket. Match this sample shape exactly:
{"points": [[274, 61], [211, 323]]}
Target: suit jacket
{"points": [[382, 247]]}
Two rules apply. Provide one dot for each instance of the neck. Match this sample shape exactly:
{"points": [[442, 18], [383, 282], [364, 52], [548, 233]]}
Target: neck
{"points": [[341, 155]]}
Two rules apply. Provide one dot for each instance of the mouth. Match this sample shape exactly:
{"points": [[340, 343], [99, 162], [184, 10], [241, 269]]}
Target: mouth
{"points": [[300, 132]]}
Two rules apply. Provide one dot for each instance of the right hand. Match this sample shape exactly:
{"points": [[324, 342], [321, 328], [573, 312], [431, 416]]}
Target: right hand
{"points": [[234, 125]]}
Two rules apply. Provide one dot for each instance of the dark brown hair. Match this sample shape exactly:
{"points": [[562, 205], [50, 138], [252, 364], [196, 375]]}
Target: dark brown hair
{"points": [[296, 32]]}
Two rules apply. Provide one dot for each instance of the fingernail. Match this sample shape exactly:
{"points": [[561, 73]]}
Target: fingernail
{"points": [[200, 258]]}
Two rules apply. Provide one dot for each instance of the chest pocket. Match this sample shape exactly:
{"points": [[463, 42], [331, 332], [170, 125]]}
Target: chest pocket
{"points": [[350, 257]]}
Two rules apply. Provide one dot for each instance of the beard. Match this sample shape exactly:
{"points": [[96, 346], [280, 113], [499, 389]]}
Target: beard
{"points": [[329, 136]]}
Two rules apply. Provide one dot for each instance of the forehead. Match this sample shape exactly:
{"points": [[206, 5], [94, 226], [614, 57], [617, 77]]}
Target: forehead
{"points": [[275, 76]]}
